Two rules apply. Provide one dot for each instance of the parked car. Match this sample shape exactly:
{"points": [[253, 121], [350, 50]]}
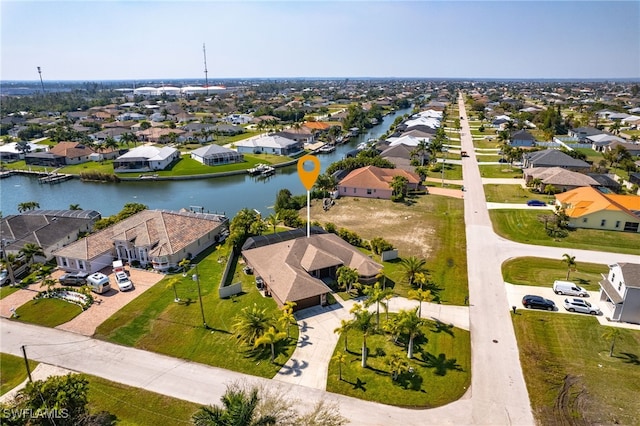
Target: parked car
{"points": [[123, 281], [569, 289], [580, 305], [463, 154], [4, 277], [537, 302], [536, 203], [78, 278]]}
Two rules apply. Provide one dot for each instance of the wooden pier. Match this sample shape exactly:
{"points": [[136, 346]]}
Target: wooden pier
{"points": [[54, 178]]}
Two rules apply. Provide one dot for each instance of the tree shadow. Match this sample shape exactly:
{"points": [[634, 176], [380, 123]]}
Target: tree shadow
{"points": [[440, 327], [359, 384], [410, 380], [630, 358], [440, 363]]}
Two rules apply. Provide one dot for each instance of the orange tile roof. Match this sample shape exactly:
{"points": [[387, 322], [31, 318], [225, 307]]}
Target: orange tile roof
{"points": [[317, 125], [587, 200], [376, 177], [71, 149]]}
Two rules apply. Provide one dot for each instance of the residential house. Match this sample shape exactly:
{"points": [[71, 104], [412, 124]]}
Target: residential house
{"points": [[151, 237], [402, 155], [632, 148], [159, 134], [269, 144], [554, 158], [582, 133], [303, 134], [587, 207], [407, 140], [562, 179], [602, 141], [130, 115], [374, 182], [238, 119], [73, 152], [146, 158], [214, 155], [620, 291], [114, 132], [293, 269], [10, 152], [522, 138], [48, 229]]}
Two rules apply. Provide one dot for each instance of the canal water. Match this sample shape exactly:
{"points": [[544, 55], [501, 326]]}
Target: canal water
{"points": [[223, 195]]}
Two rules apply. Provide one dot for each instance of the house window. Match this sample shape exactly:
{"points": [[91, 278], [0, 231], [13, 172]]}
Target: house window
{"points": [[620, 286], [368, 192], [584, 220], [81, 264], [617, 224], [603, 222], [354, 190], [64, 262]]}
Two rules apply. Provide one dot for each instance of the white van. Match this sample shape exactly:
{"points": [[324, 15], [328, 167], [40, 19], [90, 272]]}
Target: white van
{"points": [[98, 282], [569, 288]]}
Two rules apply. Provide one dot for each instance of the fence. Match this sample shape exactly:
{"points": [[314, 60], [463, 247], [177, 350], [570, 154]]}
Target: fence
{"points": [[235, 288]]}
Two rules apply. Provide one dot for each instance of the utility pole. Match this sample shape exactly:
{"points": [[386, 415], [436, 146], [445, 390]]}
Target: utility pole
{"points": [[26, 362], [206, 79], [196, 278], [41, 83]]}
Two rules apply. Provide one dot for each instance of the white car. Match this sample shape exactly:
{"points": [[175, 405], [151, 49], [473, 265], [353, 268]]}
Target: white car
{"points": [[581, 305], [4, 276], [123, 281]]}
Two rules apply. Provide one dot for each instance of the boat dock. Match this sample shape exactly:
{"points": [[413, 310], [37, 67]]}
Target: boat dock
{"points": [[54, 178], [6, 173]]}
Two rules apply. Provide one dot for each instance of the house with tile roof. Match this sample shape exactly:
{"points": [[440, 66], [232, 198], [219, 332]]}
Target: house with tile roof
{"points": [[562, 179], [293, 270], [62, 153], [401, 156], [145, 159], [49, 229], [620, 292], [214, 155], [269, 144], [374, 182], [151, 237], [589, 208]]}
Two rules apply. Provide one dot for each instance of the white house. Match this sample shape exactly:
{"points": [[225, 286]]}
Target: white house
{"points": [[269, 144], [146, 158], [620, 290]]}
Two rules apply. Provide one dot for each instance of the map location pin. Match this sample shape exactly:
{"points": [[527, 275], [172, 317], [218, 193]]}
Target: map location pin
{"points": [[308, 178]]}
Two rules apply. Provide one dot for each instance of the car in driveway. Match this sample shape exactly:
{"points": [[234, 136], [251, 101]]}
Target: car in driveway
{"points": [[573, 304], [78, 278], [531, 301], [123, 281], [4, 277], [536, 203]]}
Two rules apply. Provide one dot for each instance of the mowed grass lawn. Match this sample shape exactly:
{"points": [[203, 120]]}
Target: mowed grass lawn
{"points": [[488, 158], [451, 171], [430, 227], [7, 290], [13, 371], [48, 312], [441, 368], [499, 171], [569, 375], [484, 143], [510, 194], [154, 322], [538, 271], [523, 226]]}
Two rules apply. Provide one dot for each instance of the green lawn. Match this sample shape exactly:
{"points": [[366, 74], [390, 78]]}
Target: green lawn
{"points": [[451, 171], [523, 226], [154, 322], [569, 375], [48, 312], [485, 143], [7, 290], [441, 364], [499, 171], [592, 156], [488, 158], [540, 271], [135, 406], [509, 194], [13, 371], [105, 166]]}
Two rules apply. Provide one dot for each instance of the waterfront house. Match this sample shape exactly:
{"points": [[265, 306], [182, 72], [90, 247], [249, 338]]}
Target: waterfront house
{"points": [[374, 182], [587, 207], [620, 291], [293, 270], [269, 144], [146, 158], [554, 158], [48, 229], [151, 237], [214, 155], [73, 152], [10, 151]]}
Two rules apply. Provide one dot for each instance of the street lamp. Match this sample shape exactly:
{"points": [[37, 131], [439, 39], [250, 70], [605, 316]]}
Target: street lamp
{"points": [[196, 277]]}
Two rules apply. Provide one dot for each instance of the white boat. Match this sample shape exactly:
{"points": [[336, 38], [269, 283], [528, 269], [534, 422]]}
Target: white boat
{"points": [[327, 149], [258, 169]]}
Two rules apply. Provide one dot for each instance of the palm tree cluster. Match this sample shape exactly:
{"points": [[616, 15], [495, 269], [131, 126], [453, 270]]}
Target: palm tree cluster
{"points": [[28, 205]]}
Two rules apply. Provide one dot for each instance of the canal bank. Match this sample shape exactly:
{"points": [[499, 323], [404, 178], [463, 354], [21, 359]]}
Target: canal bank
{"points": [[226, 194]]}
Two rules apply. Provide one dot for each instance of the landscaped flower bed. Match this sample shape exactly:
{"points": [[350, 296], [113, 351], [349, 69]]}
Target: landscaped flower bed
{"points": [[67, 294]]}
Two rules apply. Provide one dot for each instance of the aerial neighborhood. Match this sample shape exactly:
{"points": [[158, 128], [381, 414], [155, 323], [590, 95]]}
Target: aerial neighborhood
{"points": [[456, 233]]}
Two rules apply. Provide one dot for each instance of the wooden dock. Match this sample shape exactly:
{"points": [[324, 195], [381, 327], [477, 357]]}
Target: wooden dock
{"points": [[54, 178]]}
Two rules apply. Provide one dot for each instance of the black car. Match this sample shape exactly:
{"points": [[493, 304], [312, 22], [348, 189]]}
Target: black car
{"points": [[537, 302], [79, 278]]}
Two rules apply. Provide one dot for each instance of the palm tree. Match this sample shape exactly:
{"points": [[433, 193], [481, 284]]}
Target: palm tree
{"points": [[74, 207], [286, 319], [611, 334], [571, 263], [362, 322], [421, 296], [31, 250], [410, 323], [251, 323], [273, 220], [110, 143], [411, 266], [28, 205], [397, 364], [325, 183], [420, 150], [172, 284], [399, 185], [238, 408], [347, 277], [345, 326], [270, 337], [376, 295], [341, 359]]}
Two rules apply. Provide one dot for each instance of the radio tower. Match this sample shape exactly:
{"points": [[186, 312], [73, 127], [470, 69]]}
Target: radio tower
{"points": [[206, 80], [41, 83]]}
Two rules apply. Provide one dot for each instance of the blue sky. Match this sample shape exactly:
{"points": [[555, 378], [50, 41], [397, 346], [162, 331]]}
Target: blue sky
{"points": [[106, 40]]}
